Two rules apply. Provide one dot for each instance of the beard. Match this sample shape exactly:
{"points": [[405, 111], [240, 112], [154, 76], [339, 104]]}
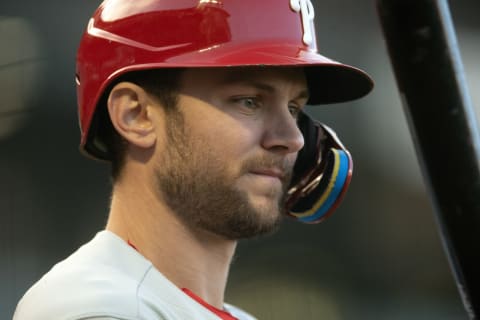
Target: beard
{"points": [[195, 184]]}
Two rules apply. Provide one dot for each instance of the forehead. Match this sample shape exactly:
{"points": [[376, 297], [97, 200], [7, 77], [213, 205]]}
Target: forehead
{"points": [[276, 76]]}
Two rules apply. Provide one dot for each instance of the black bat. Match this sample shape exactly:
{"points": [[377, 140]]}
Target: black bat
{"points": [[424, 53]]}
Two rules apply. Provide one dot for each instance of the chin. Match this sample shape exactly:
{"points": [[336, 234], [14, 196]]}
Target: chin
{"points": [[266, 206], [267, 213], [258, 220]]}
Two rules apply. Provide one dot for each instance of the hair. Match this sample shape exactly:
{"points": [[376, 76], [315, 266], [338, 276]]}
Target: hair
{"points": [[163, 84]]}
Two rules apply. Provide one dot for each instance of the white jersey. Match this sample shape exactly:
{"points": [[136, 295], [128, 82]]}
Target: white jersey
{"points": [[108, 279]]}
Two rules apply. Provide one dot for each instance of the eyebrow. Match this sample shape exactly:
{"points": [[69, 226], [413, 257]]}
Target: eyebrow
{"points": [[262, 86]]}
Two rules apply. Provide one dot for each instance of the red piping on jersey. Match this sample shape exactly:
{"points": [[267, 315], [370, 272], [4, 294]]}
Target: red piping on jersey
{"points": [[221, 313], [131, 244]]}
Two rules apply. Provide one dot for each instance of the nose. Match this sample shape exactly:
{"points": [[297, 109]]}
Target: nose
{"points": [[282, 134]]}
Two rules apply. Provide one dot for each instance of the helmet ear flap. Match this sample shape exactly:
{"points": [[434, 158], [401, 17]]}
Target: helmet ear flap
{"points": [[321, 174]]}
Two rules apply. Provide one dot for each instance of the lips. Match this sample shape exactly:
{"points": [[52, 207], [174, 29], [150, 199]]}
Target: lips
{"points": [[270, 172]]}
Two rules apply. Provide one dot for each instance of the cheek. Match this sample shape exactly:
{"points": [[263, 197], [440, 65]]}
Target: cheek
{"points": [[224, 133], [224, 146], [227, 139]]}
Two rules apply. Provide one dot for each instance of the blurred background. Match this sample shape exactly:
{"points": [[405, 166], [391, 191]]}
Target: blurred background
{"points": [[379, 257]]}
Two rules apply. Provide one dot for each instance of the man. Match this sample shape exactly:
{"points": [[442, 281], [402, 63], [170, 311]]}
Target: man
{"points": [[198, 107]]}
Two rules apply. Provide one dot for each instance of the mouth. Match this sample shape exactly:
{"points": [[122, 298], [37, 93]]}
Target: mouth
{"points": [[270, 173]]}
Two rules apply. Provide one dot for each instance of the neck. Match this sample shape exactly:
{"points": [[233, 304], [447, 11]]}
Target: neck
{"points": [[188, 257]]}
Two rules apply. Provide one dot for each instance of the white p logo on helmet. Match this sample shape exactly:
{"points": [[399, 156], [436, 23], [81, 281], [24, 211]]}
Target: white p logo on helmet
{"points": [[305, 7]]}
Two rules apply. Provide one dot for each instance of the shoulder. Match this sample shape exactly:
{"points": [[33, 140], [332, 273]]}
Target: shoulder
{"points": [[71, 296], [89, 283]]}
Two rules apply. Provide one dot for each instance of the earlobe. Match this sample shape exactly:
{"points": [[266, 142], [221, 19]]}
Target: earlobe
{"points": [[130, 113]]}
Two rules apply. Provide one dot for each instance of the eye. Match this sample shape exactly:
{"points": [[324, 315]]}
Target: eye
{"points": [[250, 103], [294, 110]]}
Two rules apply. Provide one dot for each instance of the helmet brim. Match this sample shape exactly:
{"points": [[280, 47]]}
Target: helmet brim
{"points": [[328, 81]]}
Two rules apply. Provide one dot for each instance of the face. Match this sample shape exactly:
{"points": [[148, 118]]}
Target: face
{"points": [[231, 145]]}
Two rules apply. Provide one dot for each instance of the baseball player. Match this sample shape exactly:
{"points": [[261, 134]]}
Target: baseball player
{"points": [[198, 106]]}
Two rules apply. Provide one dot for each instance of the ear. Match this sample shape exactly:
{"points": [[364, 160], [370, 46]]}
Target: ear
{"points": [[130, 113]]}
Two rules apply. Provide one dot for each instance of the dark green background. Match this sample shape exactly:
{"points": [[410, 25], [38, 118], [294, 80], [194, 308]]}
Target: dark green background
{"points": [[379, 257]]}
